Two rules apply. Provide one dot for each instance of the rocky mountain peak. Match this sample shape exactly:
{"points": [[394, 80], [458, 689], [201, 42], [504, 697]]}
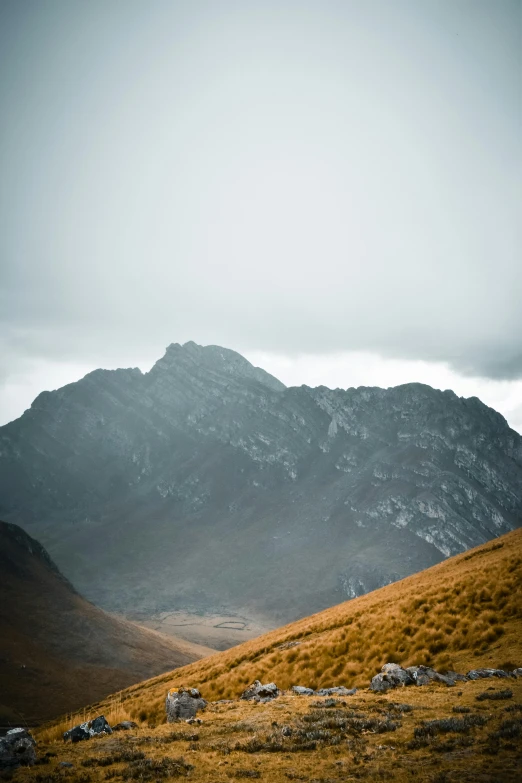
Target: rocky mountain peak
{"points": [[212, 360], [204, 483]]}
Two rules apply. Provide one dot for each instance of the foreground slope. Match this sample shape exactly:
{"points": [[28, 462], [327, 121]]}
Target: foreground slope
{"points": [[460, 614], [206, 485], [464, 613], [57, 651]]}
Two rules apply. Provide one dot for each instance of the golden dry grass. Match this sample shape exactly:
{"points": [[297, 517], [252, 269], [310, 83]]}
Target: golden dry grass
{"points": [[243, 740], [460, 614]]}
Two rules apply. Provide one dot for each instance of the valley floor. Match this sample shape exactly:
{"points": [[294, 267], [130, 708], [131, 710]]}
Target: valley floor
{"points": [[210, 630], [368, 736]]}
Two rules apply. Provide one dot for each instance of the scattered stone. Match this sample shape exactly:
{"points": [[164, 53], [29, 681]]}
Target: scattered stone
{"points": [[192, 721], [287, 731], [338, 690], [183, 704], [90, 728], [517, 672], [478, 674], [300, 690], [261, 693], [125, 725], [17, 749], [65, 764]]}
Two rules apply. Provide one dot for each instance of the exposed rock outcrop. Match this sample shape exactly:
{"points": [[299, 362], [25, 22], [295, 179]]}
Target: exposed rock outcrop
{"points": [[392, 676], [479, 674], [183, 704]]}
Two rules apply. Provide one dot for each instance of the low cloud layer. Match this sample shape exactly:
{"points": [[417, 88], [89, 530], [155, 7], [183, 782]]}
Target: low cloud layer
{"points": [[281, 177]]}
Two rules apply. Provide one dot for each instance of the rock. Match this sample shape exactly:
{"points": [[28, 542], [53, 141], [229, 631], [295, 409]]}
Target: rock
{"points": [[396, 674], [17, 748], [90, 728], [300, 690], [456, 677], [193, 721], [260, 692], [419, 676], [287, 731], [517, 672], [380, 683], [478, 674], [391, 676], [125, 725], [65, 764], [183, 704], [422, 675], [337, 691]]}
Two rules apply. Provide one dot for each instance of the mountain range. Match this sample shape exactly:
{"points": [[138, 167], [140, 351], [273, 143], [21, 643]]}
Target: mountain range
{"points": [[206, 485]]}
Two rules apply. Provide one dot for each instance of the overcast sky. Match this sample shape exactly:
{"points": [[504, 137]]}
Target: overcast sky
{"points": [[330, 187]]}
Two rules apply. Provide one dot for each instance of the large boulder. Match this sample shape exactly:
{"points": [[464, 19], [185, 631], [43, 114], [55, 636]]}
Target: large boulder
{"points": [[90, 728], [391, 676], [183, 704], [258, 692], [17, 749]]}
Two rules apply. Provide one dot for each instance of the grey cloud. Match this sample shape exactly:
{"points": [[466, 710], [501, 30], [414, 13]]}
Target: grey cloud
{"points": [[284, 177]]}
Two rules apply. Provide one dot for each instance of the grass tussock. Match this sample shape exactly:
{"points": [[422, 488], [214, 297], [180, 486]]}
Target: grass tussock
{"points": [[493, 695]]}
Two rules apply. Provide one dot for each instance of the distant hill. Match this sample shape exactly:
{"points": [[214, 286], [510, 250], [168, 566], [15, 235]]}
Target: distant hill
{"points": [[458, 615], [205, 485], [57, 651]]}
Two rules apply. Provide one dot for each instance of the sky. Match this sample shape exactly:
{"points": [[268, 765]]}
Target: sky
{"points": [[331, 188]]}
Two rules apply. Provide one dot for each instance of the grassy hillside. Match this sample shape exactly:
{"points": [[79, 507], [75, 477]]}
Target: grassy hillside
{"points": [[58, 652], [460, 614]]}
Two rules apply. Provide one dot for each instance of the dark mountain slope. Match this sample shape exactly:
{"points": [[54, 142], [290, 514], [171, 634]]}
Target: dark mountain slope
{"points": [[57, 651], [205, 484]]}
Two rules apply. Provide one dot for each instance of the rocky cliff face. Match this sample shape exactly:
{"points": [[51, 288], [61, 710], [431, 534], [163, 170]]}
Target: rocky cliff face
{"points": [[206, 484]]}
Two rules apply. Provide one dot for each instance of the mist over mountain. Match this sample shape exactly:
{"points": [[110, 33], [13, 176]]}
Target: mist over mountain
{"points": [[206, 485]]}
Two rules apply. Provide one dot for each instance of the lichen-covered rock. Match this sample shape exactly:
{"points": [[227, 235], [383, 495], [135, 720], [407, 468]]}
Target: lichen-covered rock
{"points": [[17, 749], [479, 674], [338, 690], [300, 690], [260, 692], [90, 728], [183, 704]]}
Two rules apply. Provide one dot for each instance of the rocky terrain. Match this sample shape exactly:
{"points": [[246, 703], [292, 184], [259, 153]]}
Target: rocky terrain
{"points": [[205, 485], [57, 651]]}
